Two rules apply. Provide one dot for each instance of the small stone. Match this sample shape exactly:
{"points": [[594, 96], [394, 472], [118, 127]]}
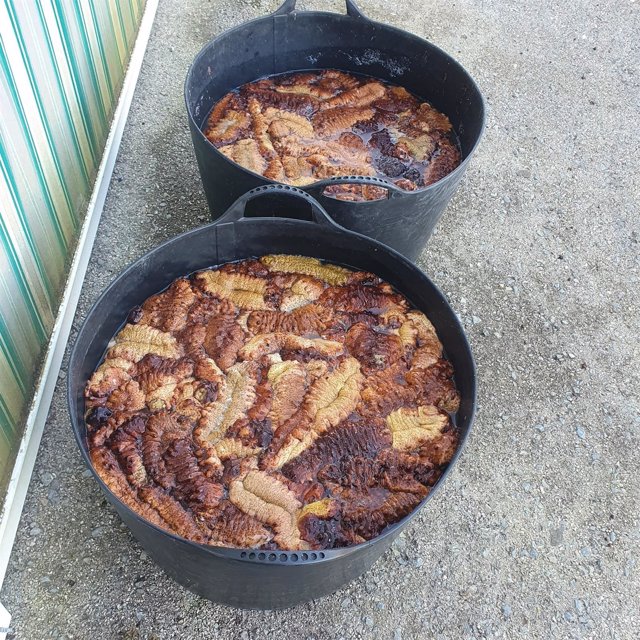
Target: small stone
{"points": [[539, 427], [98, 532], [87, 473], [46, 478], [533, 554], [506, 610], [581, 607], [368, 621], [612, 537], [346, 603], [475, 319], [569, 616], [397, 634], [585, 552], [556, 536], [45, 580], [524, 173], [139, 616], [53, 496], [244, 635], [580, 432], [143, 556], [379, 606]]}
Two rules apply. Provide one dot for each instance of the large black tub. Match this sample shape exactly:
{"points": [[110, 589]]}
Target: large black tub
{"points": [[289, 40], [244, 577]]}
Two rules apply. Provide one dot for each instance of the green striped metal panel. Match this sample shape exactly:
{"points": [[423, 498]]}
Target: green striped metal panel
{"points": [[62, 64]]}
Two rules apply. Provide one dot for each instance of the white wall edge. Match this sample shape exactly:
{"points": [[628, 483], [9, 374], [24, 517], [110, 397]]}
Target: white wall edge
{"points": [[5, 620], [26, 457]]}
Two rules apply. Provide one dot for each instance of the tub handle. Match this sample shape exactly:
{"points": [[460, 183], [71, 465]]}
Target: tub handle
{"points": [[236, 212], [289, 6], [393, 191]]}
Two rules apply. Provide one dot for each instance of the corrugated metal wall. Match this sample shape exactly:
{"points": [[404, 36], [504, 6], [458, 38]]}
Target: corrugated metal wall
{"points": [[62, 63]]}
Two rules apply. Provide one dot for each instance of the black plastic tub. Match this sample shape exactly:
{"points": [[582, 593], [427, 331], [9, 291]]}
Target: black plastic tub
{"points": [[243, 577], [289, 40]]}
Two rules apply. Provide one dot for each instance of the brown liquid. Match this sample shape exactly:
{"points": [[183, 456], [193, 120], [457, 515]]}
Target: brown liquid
{"points": [[375, 129], [278, 403]]}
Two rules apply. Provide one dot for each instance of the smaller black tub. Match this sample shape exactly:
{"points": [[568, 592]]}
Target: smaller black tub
{"points": [[291, 40], [249, 578]]}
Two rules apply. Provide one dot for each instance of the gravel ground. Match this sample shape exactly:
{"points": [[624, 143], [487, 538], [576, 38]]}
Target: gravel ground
{"points": [[536, 534]]}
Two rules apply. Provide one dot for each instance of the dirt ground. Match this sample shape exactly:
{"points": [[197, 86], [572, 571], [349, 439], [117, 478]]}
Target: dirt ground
{"points": [[536, 533]]}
